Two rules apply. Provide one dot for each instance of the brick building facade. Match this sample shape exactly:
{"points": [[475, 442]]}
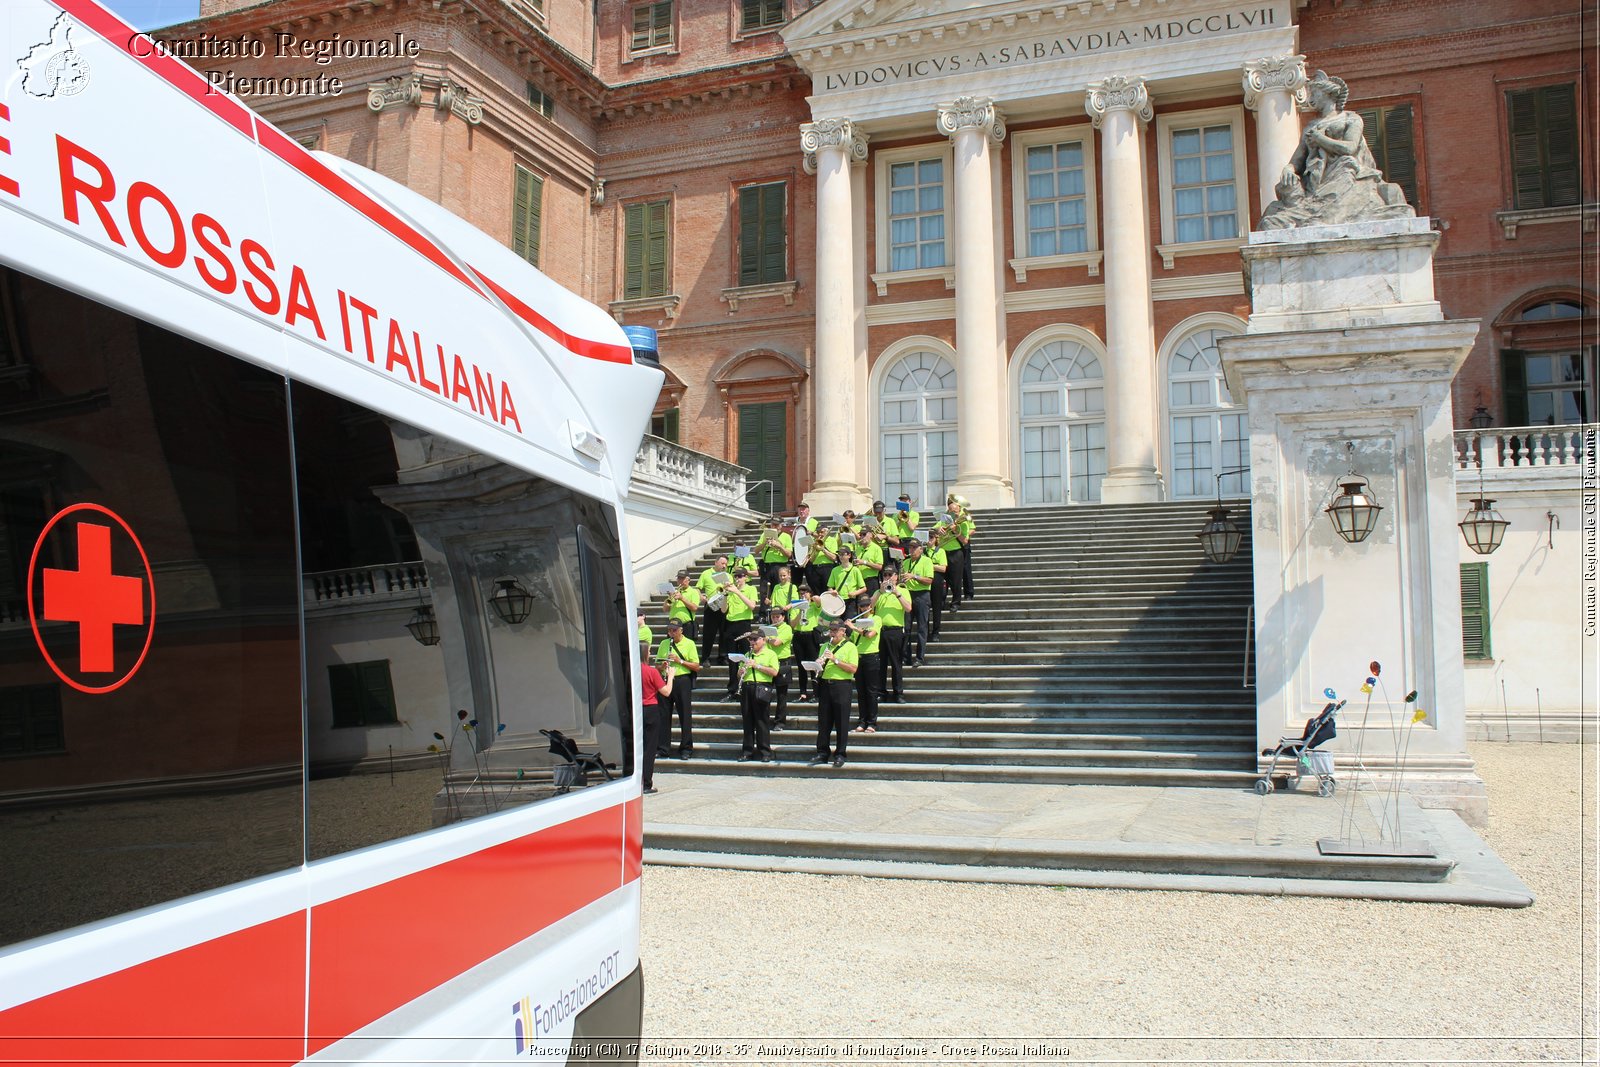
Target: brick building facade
{"points": [[648, 155]]}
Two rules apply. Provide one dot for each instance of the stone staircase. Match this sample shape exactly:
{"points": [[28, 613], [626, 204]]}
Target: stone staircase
{"points": [[1103, 648]]}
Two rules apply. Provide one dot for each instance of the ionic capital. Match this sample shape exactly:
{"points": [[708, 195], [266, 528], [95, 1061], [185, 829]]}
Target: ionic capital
{"points": [[972, 112], [831, 133], [1275, 74], [1118, 93]]}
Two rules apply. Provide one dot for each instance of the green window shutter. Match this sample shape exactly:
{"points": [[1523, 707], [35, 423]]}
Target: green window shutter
{"points": [[1475, 611], [1389, 134], [1527, 169], [652, 25], [759, 14], [1399, 150], [774, 233], [656, 250], [1514, 386], [344, 687], [646, 250], [377, 693], [669, 429], [633, 252], [1544, 146], [1561, 144], [750, 235], [527, 210], [763, 234]]}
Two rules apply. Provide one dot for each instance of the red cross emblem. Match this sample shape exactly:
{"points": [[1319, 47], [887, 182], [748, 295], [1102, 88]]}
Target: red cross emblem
{"points": [[93, 597]]}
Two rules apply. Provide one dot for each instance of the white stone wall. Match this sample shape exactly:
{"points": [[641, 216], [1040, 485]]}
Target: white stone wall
{"points": [[375, 633], [1540, 683]]}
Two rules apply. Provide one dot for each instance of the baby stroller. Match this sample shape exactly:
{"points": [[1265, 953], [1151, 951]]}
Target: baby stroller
{"points": [[1305, 759], [575, 771]]}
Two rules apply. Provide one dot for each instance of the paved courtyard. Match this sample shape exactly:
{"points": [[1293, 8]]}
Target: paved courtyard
{"points": [[750, 962]]}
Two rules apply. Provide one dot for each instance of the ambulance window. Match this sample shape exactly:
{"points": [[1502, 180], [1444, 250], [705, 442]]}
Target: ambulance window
{"points": [[150, 713], [495, 599]]}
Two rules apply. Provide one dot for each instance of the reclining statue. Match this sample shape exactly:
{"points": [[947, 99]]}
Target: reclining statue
{"points": [[1332, 176]]}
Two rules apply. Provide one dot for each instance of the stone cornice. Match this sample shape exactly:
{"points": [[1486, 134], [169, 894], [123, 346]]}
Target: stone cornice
{"points": [[1445, 50], [1118, 93]]}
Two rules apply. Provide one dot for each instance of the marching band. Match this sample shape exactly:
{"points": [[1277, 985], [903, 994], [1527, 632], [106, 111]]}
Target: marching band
{"points": [[783, 600]]}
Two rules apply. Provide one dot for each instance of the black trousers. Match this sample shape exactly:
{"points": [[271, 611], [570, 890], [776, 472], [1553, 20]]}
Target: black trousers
{"points": [[683, 705], [936, 603], [806, 646], [917, 635], [769, 576], [781, 684], [757, 721], [869, 682], [955, 575], [966, 573], [833, 715], [817, 577], [892, 645], [652, 740], [713, 637]]}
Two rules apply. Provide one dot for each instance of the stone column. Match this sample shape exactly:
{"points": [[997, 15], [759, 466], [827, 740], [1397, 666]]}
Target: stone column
{"points": [[830, 145], [1274, 88], [971, 122], [1121, 108]]}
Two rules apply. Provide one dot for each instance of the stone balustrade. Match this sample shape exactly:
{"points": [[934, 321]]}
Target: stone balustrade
{"points": [[349, 585], [1504, 447], [669, 466]]}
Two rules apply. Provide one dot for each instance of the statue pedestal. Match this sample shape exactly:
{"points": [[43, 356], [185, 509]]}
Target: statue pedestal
{"points": [[1350, 274], [1347, 346]]}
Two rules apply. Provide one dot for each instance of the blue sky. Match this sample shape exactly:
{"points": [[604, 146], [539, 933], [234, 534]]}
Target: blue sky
{"points": [[152, 14]]}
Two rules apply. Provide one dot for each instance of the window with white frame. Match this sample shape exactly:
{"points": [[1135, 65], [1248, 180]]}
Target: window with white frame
{"points": [[1057, 207], [1062, 411], [916, 214], [1204, 196], [917, 424], [1209, 434]]}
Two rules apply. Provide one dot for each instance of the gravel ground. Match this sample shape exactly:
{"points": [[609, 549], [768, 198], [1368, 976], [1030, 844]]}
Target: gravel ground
{"points": [[743, 960]]}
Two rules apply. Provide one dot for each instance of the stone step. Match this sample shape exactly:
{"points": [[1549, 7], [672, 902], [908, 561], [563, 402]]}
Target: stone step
{"points": [[796, 745], [729, 730], [963, 770], [720, 845]]}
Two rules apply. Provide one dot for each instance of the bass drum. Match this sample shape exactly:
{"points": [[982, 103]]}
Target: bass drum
{"points": [[802, 546]]}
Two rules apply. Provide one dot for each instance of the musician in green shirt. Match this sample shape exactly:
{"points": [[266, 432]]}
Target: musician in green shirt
{"points": [[919, 575], [891, 605], [714, 620], [784, 591], [678, 655], [683, 602], [847, 579], [783, 647], [870, 559], [743, 599], [840, 661], [807, 638], [865, 631], [757, 673], [775, 548]]}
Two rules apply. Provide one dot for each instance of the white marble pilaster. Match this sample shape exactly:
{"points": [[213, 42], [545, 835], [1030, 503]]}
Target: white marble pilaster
{"points": [[1275, 89], [1120, 108], [972, 123], [830, 145]]}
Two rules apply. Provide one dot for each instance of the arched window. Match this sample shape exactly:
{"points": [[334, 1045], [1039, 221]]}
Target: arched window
{"points": [[1062, 409], [917, 419], [1547, 370], [1209, 434]]}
